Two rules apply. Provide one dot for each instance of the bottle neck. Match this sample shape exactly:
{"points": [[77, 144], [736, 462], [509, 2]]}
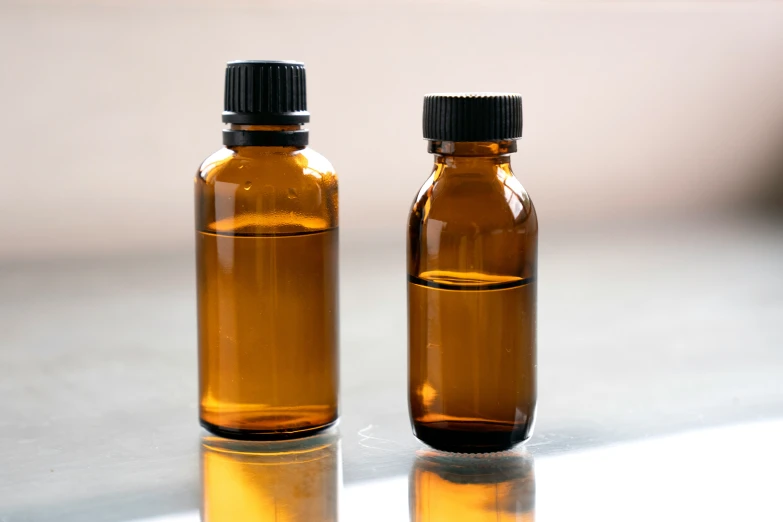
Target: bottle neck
{"points": [[465, 153], [265, 128], [240, 135]]}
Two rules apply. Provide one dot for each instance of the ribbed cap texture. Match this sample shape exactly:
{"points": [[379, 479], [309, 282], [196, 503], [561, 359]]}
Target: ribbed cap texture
{"points": [[472, 116], [265, 92]]}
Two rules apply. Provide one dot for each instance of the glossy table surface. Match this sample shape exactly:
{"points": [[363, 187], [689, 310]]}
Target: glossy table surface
{"points": [[661, 393]]}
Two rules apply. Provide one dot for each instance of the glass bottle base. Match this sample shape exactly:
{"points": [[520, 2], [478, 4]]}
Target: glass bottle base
{"points": [[240, 434], [471, 437]]}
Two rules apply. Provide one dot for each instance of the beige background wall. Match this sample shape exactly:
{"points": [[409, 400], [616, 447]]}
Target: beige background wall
{"points": [[632, 110]]}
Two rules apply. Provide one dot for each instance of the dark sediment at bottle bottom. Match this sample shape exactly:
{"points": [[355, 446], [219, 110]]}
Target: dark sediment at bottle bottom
{"points": [[240, 434], [471, 437]]}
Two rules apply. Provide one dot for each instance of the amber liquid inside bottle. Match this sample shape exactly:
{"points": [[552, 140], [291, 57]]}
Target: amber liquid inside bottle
{"points": [[472, 246], [295, 481], [456, 488], [267, 270]]}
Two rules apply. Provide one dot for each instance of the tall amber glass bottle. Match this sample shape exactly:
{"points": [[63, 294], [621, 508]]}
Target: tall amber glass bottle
{"points": [[266, 255], [472, 240]]}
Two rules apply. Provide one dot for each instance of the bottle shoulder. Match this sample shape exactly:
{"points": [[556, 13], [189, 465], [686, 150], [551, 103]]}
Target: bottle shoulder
{"points": [[477, 201], [317, 162], [473, 226], [253, 163], [214, 164], [266, 190]]}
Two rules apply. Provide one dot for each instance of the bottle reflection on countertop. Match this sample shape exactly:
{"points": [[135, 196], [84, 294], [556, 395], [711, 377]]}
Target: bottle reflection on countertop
{"points": [[472, 487], [291, 481]]}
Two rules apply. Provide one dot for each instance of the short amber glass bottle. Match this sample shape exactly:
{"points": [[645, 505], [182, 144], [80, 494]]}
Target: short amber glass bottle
{"points": [[472, 241], [292, 480], [266, 255]]}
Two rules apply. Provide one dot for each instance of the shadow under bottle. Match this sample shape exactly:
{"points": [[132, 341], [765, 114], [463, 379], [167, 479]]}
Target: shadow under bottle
{"points": [[475, 488]]}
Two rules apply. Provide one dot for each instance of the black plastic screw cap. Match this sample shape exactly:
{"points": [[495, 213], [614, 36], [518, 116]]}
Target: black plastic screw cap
{"points": [[265, 92], [480, 116]]}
